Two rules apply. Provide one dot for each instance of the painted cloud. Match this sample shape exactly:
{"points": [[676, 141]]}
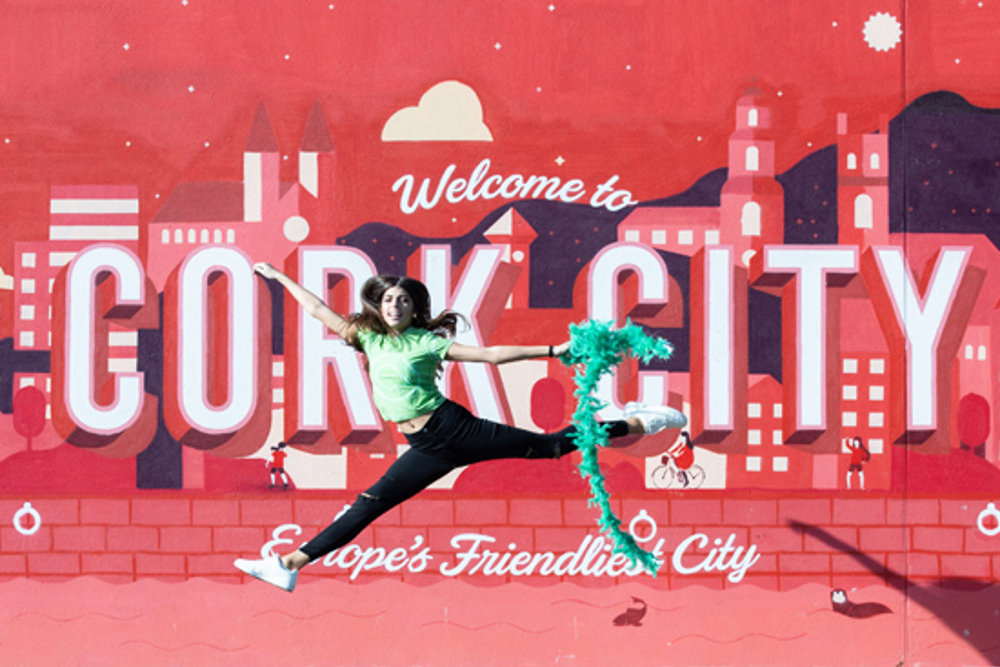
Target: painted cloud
{"points": [[449, 111]]}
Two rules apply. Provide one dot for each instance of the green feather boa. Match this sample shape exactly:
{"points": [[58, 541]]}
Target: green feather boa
{"points": [[595, 349]]}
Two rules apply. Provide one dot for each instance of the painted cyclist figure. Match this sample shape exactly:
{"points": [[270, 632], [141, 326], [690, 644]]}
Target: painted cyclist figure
{"points": [[405, 347]]}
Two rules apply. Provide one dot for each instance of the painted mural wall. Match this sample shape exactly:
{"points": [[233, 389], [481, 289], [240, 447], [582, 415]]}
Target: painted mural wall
{"points": [[802, 199]]}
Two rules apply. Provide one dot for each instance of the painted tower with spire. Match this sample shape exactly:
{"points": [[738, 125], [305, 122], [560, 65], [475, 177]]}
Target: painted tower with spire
{"points": [[752, 201], [862, 186]]}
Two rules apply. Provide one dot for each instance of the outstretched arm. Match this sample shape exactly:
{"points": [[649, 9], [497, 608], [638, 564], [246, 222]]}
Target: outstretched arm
{"points": [[313, 305], [503, 354]]}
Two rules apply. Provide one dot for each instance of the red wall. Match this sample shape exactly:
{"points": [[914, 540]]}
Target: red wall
{"points": [[178, 536]]}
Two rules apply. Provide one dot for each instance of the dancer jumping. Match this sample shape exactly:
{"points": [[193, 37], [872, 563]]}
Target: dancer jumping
{"points": [[405, 347]]}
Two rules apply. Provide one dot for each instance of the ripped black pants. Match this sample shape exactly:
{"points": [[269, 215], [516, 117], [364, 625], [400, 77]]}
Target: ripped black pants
{"points": [[451, 438]]}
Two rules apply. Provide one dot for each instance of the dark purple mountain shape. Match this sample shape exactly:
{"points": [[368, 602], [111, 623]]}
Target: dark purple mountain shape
{"points": [[704, 192], [811, 198], [945, 167]]}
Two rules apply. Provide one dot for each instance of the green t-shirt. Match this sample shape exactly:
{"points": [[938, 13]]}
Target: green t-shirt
{"points": [[402, 370]]}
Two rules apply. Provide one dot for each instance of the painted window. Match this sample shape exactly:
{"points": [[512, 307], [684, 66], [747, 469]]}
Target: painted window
{"points": [[864, 214], [750, 219]]}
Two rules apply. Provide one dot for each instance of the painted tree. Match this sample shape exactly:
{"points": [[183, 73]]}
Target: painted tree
{"points": [[973, 421], [29, 412]]}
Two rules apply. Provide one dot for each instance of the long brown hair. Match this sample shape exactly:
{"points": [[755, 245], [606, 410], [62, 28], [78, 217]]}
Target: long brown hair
{"points": [[370, 317]]}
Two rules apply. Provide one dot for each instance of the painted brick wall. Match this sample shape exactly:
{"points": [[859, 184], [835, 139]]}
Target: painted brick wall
{"points": [[845, 542]]}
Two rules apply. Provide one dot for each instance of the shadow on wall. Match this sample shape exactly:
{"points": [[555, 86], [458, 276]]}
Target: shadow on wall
{"points": [[973, 624]]}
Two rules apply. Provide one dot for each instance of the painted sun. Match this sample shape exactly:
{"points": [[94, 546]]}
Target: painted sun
{"points": [[882, 31]]}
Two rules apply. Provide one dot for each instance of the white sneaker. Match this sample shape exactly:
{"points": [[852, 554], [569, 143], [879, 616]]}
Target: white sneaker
{"points": [[271, 570], [655, 418]]}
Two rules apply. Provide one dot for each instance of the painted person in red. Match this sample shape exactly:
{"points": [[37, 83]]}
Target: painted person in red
{"points": [[859, 456], [682, 452], [277, 464]]}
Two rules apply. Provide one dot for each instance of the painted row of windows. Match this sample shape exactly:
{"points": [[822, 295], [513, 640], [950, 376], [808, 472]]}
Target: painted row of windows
{"points": [[874, 161], [875, 419], [29, 260], [749, 226], [875, 393], [778, 464], [875, 366], [192, 236], [116, 339], [980, 352], [754, 410], [754, 437], [28, 285]]}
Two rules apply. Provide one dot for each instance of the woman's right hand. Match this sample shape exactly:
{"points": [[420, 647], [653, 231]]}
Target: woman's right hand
{"points": [[265, 270], [560, 350]]}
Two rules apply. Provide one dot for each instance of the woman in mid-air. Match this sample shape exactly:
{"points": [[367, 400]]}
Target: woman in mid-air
{"points": [[405, 347]]}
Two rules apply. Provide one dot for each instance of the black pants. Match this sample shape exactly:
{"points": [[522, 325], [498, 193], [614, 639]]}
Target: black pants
{"points": [[452, 437]]}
